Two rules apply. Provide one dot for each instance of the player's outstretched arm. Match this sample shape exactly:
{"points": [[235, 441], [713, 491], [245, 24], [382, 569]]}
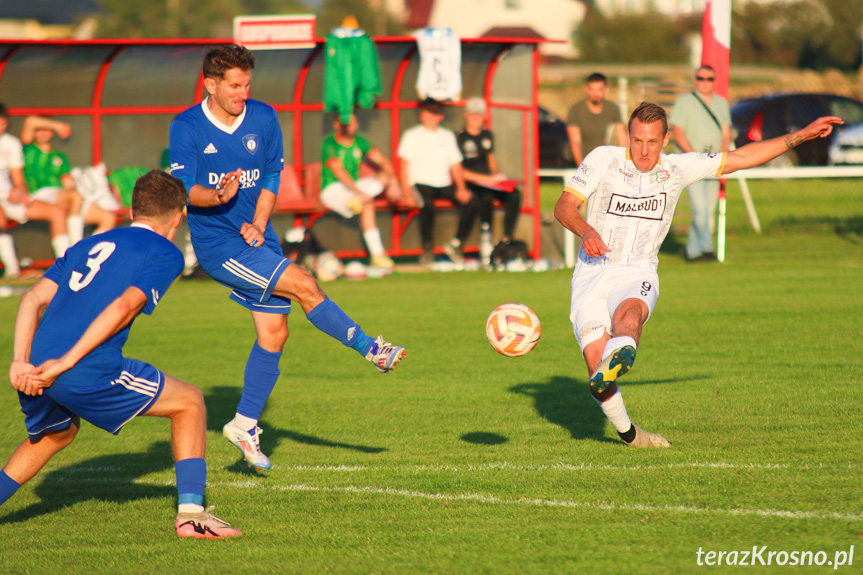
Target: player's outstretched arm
{"points": [[758, 153], [113, 318]]}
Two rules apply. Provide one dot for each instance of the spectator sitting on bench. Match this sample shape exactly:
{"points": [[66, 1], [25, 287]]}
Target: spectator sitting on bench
{"points": [[431, 161], [346, 193], [49, 177], [15, 203], [483, 177]]}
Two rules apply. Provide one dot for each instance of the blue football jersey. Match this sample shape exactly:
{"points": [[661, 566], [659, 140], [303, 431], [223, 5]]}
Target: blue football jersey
{"points": [[204, 149], [93, 273]]}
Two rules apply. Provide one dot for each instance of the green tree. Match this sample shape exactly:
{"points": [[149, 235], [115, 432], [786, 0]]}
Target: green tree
{"points": [[842, 47], [792, 34], [183, 18], [815, 34], [369, 15], [647, 37]]}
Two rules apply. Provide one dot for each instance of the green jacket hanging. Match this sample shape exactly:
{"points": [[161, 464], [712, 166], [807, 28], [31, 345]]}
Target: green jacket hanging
{"points": [[352, 75]]}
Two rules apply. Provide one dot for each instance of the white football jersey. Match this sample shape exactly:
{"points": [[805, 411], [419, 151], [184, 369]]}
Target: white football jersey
{"points": [[632, 210], [439, 76]]}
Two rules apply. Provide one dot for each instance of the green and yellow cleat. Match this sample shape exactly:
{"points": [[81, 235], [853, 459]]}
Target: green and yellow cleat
{"points": [[615, 365]]}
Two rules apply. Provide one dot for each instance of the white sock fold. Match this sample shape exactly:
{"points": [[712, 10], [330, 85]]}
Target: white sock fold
{"points": [[615, 411], [245, 423], [616, 343], [75, 227], [374, 241], [190, 508]]}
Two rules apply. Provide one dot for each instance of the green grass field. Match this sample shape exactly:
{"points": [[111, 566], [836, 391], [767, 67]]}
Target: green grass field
{"points": [[463, 461]]}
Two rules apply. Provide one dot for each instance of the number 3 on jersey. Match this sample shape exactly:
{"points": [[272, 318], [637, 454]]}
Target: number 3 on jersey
{"points": [[100, 252]]}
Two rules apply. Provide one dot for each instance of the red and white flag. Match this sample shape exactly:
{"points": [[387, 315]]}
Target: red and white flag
{"points": [[716, 42]]}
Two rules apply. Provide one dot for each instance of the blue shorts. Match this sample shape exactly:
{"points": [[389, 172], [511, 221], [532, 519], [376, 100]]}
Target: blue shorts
{"points": [[252, 274], [109, 404]]}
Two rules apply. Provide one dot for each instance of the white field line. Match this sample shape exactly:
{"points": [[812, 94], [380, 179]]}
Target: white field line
{"points": [[537, 502], [502, 466], [481, 497]]}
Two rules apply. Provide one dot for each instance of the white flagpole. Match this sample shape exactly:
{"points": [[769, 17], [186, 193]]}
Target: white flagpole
{"points": [[720, 227]]}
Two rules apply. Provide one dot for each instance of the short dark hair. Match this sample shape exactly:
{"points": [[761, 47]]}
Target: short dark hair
{"points": [[648, 113], [220, 59], [432, 105], [4, 112], [707, 67], [597, 77], [158, 195]]}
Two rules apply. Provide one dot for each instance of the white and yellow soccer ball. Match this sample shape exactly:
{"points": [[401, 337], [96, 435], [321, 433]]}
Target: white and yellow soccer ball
{"points": [[513, 329], [328, 267]]}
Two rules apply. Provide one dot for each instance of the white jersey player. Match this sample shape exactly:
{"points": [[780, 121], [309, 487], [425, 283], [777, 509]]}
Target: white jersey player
{"points": [[631, 194]]}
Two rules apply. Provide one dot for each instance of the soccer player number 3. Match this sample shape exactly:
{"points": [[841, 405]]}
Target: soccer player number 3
{"points": [[100, 252]]}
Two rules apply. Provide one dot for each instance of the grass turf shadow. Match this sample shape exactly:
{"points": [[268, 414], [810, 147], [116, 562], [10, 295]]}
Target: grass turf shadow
{"points": [[108, 478], [221, 404], [484, 438], [567, 403]]}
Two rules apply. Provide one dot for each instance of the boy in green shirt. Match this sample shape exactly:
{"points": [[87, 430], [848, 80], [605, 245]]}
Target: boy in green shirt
{"points": [[49, 177]]}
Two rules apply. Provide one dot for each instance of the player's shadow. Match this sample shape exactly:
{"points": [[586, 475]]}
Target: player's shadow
{"points": [[221, 407], [566, 402], [108, 478]]}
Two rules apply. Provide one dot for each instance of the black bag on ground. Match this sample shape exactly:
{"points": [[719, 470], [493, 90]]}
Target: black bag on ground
{"points": [[505, 252], [306, 244]]}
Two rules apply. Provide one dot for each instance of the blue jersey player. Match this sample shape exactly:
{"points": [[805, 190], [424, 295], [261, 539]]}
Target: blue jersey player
{"points": [[68, 363], [228, 152]]}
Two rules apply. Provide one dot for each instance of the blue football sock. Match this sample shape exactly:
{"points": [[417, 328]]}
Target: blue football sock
{"points": [[191, 480], [330, 319], [262, 372], [8, 486]]}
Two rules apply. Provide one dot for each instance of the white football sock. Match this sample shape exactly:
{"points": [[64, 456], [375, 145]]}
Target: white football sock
{"points": [[60, 244], [8, 256], [616, 343], [189, 253], [374, 241], [245, 423], [615, 411], [190, 508], [75, 227]]}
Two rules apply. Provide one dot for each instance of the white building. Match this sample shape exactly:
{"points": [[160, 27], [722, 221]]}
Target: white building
{"points": [[549, 19]]}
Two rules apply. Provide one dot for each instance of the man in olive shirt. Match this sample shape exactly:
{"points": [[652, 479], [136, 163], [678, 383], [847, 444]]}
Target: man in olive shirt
{"points": [[592, 121]]}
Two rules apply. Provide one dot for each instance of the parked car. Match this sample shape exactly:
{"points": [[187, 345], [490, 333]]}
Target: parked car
{"points": [[755, 119], [554, 148], [847, 146]]}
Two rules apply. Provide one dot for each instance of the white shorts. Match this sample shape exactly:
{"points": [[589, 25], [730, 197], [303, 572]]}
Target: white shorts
{"points": [[339, 198], [46, 194], [597, 291], [14, 212], [106, 202]]}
